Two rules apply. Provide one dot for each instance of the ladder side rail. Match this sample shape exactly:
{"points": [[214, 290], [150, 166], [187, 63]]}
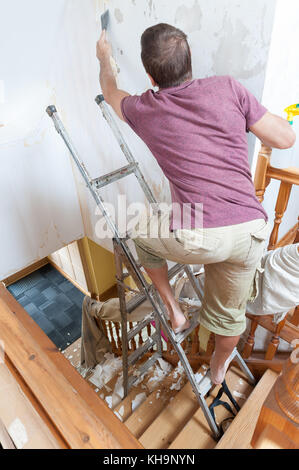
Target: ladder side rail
{"points": [[51, 110], [125, 148], [81, 167], [195, 388]]}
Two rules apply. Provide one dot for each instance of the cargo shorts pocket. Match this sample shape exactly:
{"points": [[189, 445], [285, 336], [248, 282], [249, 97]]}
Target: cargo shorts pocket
{"points": [[254, 289], [195, 241], [256, 244]]}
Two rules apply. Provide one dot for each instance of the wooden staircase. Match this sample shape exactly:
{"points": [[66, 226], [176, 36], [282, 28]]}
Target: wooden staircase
{"points": [[169, 417]]}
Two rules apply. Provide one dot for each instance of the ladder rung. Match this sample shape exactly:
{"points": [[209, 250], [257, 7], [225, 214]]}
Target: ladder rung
{"points": [[179, 338], [143, 369], [150, 342], [114, 175], [135, 302], [142, 324]]}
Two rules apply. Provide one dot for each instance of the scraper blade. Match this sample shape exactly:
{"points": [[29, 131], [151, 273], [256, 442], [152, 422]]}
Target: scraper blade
{"points": [[105, 20]]}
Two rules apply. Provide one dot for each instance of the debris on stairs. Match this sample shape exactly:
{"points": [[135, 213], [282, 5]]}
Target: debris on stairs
{"points": [[161, 409]]}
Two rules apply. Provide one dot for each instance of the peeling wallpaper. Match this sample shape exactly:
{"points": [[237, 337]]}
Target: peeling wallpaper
{"points": [[49, 58]]}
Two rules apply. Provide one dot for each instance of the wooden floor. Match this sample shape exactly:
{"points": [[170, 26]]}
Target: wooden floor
{"points": [[171, 418]]}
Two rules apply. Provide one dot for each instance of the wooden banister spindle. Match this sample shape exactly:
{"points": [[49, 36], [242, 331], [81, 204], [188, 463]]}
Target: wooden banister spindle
{"points": [[114, 346], [273, 345], [249, 345], [133, 342], [261, 181], [211, 344], [118, 335], [280, 208], [104, 324], [140, 341], [295, 317], [195, 341]]}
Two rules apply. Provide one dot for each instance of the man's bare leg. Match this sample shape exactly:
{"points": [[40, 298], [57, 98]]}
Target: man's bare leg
{"points": [[224, 346], [159, 277]]}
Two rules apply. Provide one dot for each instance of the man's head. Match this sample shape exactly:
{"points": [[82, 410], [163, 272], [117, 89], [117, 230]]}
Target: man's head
{"points": [[166, 55]]}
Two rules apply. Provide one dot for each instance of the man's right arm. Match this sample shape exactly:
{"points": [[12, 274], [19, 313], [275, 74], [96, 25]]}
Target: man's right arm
{"points": [[274, 131]]}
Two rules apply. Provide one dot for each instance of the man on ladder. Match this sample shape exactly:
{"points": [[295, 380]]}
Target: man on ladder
{"points": [[196, 129]]}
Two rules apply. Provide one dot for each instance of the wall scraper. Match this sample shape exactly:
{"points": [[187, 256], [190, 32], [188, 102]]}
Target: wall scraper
{"points": [[105, 20]]}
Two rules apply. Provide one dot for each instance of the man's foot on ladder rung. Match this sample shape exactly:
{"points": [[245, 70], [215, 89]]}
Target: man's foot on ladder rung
{"points": [[194, 322]]}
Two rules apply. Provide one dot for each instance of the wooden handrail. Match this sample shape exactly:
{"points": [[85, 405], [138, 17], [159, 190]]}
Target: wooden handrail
{"points": [[80, 416]]}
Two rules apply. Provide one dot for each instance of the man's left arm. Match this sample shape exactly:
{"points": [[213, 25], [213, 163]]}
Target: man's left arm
{"points": [[111, 92]]}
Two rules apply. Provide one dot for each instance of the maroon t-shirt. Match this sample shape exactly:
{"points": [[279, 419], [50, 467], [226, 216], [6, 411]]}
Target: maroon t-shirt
{"points": [[197, 133]]}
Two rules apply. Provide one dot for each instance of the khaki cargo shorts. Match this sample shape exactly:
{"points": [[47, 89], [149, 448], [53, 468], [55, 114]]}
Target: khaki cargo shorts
{"points": [[232, 258]]}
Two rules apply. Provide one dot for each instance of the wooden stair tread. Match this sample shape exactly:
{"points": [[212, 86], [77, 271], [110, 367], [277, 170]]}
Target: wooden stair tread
{"points": [[239, 434], [197, 432], [148, 411], [161, 433]]}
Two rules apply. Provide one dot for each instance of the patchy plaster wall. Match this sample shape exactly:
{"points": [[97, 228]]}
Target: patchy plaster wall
{"points": [[39, 208]]}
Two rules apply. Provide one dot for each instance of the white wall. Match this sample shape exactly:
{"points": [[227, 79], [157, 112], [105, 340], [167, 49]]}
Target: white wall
{"points": [[49, 58], [39, 208], [281, 90]]}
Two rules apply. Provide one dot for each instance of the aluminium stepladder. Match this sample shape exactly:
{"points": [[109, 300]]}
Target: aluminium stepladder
{"points": [[125, 258]]}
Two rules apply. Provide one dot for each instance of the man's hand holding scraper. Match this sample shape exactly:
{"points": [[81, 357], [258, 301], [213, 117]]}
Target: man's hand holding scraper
{"points": [[113, 95]]}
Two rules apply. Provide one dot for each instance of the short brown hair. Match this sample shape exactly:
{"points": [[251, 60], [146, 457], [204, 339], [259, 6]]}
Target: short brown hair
{"points": [[166, 55]]}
